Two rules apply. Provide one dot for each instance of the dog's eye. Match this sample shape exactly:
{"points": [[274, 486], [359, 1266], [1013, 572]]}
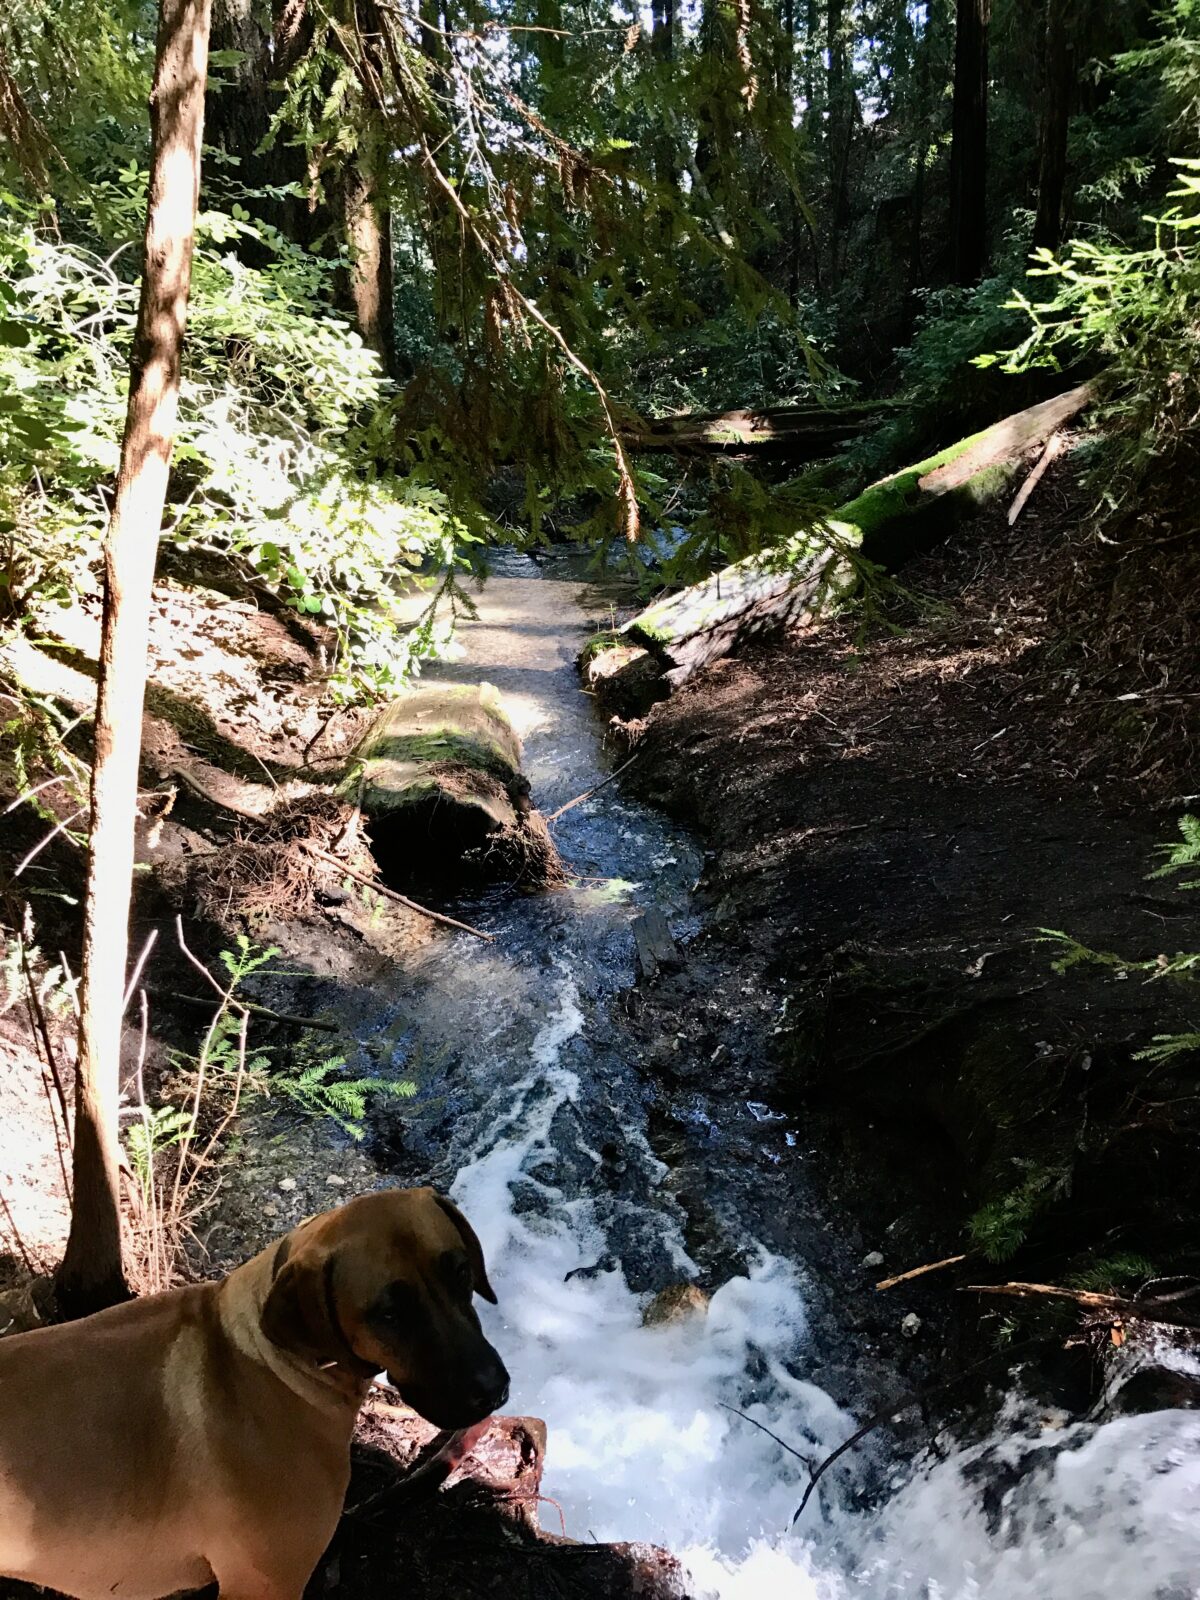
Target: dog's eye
{"points": [[399, 1302]]}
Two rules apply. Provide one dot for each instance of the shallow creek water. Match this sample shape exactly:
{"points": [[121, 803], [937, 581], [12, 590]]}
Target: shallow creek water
{"points": [[537, 1121]]}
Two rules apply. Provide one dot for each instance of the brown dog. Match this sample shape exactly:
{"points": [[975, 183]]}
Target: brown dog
{"points": [[205, 1433]]}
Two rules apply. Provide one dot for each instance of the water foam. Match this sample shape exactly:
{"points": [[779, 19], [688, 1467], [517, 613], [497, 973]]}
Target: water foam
{"points": [[641, 1445]]}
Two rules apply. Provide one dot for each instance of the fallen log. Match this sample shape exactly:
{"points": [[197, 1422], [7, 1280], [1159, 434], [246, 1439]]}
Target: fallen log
{"points": [[804, 432], [810, 574], [437, 777]]}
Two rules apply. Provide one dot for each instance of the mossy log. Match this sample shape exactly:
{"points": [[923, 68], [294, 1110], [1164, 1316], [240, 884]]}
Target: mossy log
{"points": [[438, 778], [438, 746], [806, 576]]}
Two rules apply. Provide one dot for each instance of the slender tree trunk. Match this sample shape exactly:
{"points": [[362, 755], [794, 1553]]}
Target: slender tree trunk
{"points": [[367, 226], [840, 99], [666, 158], [1056, 119], [968, 148], [92, 1275], [368, 287]]}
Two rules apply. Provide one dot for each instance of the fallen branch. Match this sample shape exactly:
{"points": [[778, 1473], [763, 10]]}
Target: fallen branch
{"points": [[919, 1272], [1089, 1299], [401, 899], [204, 793], [1053, 448], [603, 784], [244, 1005]]}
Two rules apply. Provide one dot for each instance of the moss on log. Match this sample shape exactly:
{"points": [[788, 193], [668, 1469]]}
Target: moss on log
{"points": [[809, 574], [400, 760], [438, 778]]}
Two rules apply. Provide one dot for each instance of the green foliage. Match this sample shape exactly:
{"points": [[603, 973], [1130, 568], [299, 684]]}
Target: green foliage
{"points": [[1136, 314], [321, 1090], [1182, 854], [158, 1131], [999, 1228], [1116, 1274], [281, 461]]}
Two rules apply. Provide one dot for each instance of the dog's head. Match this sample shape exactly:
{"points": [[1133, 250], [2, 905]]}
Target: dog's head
{"points": [[385, 1283]]}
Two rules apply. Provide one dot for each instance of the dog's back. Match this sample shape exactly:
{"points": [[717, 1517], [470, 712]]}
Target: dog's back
{"points": [[94, 1429]]}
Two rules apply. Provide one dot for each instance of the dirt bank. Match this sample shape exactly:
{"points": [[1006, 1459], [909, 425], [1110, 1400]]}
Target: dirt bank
{"points": [[891, 821]]}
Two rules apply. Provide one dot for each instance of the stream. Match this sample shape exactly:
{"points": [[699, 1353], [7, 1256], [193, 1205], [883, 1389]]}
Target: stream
{"points": [[533, 1115]]}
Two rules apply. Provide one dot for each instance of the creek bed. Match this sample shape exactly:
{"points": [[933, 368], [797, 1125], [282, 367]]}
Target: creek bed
{"points": [[538, 1115]]}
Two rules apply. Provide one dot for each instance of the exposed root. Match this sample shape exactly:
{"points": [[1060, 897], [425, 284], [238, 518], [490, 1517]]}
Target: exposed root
{"points": [[268, 871], [524, 856]]}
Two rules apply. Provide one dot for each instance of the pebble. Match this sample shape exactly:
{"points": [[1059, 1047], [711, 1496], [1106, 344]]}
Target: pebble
{"points": [[875, 1259], [287, 1184], [911, 1326], [335, 1180]]}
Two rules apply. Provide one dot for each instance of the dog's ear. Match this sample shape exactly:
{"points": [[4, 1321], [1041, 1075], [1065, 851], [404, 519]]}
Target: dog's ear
{"points": [[299, 1314], [472, 1246]]}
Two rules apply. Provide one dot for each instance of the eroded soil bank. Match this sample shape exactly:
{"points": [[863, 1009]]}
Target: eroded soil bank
{"points": [[894, 821]]}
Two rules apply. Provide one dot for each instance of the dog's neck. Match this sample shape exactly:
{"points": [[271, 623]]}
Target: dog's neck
{"points": [[331, 1386]]}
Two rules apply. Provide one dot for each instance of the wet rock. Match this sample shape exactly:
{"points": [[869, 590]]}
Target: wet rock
{"points": [[679, 1302], [656, 947]]}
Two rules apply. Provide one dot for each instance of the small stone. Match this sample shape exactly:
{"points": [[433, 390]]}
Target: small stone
{"points": [[875, 1259], [335, 1180], [287, 1184], [911, 1326], [680, 1302], [270, 1210]]}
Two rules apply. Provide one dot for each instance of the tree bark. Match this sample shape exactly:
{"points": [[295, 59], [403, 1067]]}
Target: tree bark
{"points": [[1056, 118], [968, 148], [92, 1273], [840, 99], [367, 228]]}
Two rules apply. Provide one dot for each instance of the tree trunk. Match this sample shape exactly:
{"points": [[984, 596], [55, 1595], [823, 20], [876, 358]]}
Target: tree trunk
{"points": [[92, 1275], [367, 229], [1056, 118], [968, 148], [840, 121]]}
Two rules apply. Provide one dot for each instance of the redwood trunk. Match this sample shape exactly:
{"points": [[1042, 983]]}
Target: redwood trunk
{"points": [[1056, 119], [92, 1274], [968, 149]]}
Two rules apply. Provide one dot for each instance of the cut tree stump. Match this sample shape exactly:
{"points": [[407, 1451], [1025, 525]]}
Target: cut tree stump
{"points": [[438, 779], [807, 576]]}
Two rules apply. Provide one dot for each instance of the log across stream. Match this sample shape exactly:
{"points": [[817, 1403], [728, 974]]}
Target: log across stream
{"points": [[533, 1113]]}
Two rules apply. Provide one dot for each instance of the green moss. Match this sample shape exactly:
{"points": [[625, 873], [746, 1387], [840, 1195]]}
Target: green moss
{"points": [[606, 639]]}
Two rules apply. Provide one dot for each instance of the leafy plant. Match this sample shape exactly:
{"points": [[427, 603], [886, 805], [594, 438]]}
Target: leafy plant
{"points": [[999, 1228], [319, 1091], [1137, 313]]}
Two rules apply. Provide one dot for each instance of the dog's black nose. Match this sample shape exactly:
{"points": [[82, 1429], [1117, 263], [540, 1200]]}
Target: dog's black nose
{"points": [[489, 1391]]}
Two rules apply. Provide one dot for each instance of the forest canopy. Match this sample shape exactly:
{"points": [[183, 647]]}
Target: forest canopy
{"points": [[450, 257]]}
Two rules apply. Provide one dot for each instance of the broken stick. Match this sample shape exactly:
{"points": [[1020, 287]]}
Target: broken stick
{"points": [[919, 1272], [1053, 447]]}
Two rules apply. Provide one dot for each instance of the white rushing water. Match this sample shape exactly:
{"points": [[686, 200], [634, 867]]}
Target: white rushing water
{"points": [[641, 1445]]}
